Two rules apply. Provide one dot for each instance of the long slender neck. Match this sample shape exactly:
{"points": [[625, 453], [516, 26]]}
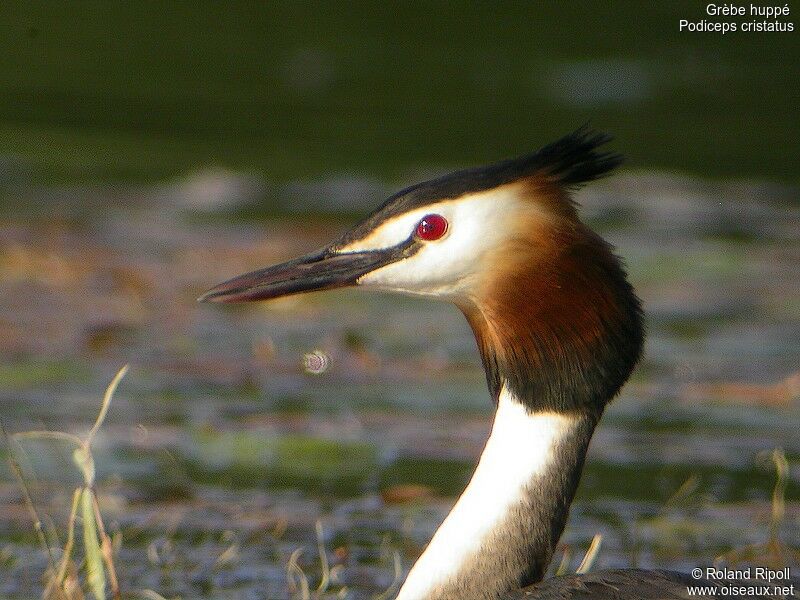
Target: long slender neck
{"points": [[501, 533], [559, 329]]}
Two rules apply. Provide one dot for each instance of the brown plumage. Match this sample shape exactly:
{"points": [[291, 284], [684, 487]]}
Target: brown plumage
{"points": [[554, 315]]}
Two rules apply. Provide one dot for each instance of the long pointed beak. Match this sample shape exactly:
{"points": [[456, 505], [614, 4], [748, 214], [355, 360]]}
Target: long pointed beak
{"points": [[322, 270]]}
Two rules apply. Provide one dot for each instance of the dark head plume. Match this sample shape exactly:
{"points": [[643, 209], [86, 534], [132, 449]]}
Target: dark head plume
{"points": [[567, 163]]}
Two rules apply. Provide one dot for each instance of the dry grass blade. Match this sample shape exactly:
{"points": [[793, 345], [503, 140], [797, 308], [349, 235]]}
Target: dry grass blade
{"points": [[325, 579], [683, 493], [778, 493], [95, 573], [107, 548], [563, 565], [774, 552], [57, 582], [29, 505], [101, 416], [296, 577], [48, 435], [398, 577], [229, 555], [591, 554]]}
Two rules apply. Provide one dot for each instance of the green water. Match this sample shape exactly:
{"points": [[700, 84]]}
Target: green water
{"points": [[97, 91]]}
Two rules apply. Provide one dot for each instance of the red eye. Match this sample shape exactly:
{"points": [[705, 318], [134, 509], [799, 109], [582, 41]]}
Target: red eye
{"points": [[431, 227]]}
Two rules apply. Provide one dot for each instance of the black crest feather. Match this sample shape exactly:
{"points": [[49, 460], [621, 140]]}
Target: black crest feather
{"points": [[570, 161], [574, 159]]}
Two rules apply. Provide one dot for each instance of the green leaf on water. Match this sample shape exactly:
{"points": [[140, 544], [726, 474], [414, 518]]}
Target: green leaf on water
{"points": [[95, 573]]}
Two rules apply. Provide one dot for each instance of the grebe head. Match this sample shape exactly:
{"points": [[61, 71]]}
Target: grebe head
{"points": [[542, 292]]}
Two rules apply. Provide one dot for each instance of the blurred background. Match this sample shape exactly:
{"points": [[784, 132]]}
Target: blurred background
{"points": [[148, 151]]}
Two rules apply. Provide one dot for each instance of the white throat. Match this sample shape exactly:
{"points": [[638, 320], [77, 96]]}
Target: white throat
{"points": [[520, 447]]}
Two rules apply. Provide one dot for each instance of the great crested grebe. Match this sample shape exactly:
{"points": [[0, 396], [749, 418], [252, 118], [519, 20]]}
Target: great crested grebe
{"points": [[559, 330]]}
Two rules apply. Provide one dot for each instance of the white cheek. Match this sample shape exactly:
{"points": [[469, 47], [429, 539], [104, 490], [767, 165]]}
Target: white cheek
{"points": [[477, 224], [424, 273]]}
